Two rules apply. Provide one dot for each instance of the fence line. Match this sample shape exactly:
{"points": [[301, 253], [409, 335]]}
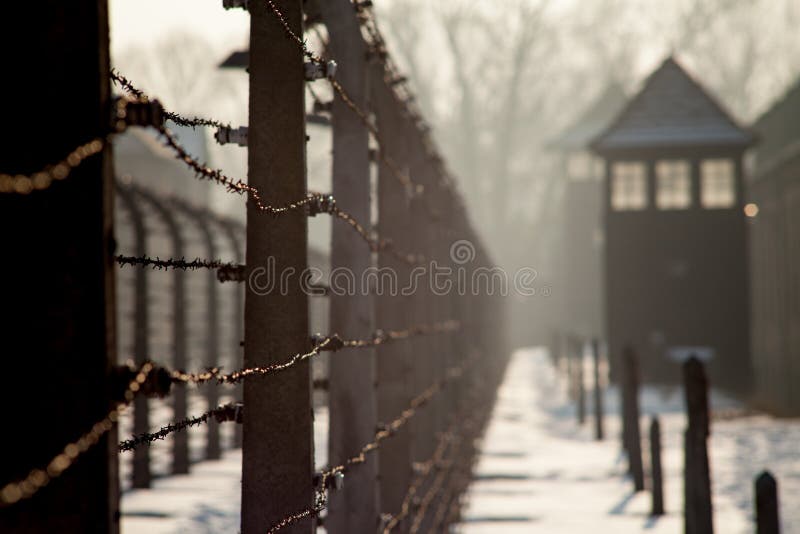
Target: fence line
{"points": [[454, 354]]}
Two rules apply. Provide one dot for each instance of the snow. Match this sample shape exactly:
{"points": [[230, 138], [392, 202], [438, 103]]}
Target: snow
{"points": [[537, 472]]}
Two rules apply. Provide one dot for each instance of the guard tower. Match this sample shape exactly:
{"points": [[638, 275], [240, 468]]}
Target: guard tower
{"points": [[676, 254]]}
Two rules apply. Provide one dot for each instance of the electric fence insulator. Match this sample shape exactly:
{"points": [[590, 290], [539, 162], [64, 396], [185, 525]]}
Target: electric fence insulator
{"points": [[236, 4], [137, 113], [315, 70], [228, 135]]}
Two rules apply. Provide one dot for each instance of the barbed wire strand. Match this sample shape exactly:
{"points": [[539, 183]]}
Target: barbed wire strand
{"points": [[402, 177], [226, 272], [223, 413], [128, 86], [39, 478], [233, 412], [421, 475], [331, 343], [24, 184], [314, 203]]}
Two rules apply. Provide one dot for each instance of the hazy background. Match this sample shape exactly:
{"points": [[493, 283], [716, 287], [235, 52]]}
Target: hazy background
{"points": [[497, 80]]}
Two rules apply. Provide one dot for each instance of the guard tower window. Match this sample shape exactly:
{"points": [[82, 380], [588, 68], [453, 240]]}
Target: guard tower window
{"points": [[673, 185], [628, 186], [718, 187]]}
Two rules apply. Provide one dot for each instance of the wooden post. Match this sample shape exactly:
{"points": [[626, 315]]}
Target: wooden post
{"points": [[631, 416], [598, 392], [570, 367], [58, 341], [352, 404], [767, 518], [393, 360], [697, 475], [579, 380], [278, 440], [655, 468]]}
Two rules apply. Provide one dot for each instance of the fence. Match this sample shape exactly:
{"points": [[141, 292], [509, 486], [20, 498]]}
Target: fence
{"points": [[568, 358], [415, 369]]}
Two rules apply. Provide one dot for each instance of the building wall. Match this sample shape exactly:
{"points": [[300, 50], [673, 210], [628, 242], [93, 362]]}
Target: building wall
{"points": [[679, 278], [775, 266]]}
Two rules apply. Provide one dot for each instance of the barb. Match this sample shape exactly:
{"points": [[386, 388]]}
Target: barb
{"points": [[24, 184], [226, 412], [39, 478], [226, 272], [128, 86]]}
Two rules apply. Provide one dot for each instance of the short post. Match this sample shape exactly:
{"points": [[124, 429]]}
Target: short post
{"points": [[697, 477], [766, 488], [598, 392], [571, 392], [630, 394], [657, 487], [579, 382]]}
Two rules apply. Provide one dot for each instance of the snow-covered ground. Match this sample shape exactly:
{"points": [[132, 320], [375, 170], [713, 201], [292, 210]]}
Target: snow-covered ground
{"points": [[538, 472]]}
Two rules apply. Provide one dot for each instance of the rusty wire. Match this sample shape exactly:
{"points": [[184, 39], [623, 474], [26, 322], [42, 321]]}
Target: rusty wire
{"points": [[223, 413], [14, 492], [331, 343], [384, 433], [26, 183], [422, 470], [460, 429], [388, 430], [232, 412], [411, 187], [226, 272], [128, 86]]}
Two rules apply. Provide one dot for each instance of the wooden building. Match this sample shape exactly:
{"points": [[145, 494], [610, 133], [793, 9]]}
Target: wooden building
{"points": [[675, 234], [774, 193]]}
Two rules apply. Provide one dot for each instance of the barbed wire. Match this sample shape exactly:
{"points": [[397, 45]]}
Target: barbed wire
{"points": [[463, 427], [233, 412], [422, 470], [38, 478], [313, 204], [411, 187], [226, 412], [330, 343], [226, 272], [387, 431], [128, 86], [24, 184]]}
